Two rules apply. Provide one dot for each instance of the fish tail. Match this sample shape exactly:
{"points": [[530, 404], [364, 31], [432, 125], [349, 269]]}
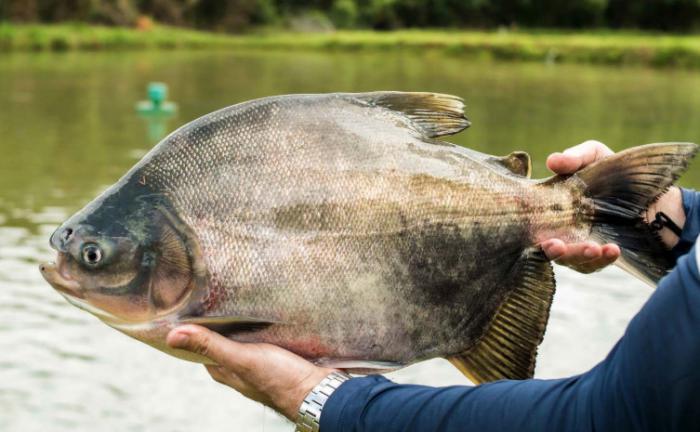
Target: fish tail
{"points": [[621, 188]]}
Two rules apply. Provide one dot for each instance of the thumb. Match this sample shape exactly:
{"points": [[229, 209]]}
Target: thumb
{"points": [[588, 152], [207, 343], [577, 157]]}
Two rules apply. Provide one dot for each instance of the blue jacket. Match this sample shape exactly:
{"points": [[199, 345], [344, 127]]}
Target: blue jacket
{"points": [[650, 381]]}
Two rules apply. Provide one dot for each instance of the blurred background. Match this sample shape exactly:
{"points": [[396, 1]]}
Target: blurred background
{"points": [[536, 75], [239, 15]]}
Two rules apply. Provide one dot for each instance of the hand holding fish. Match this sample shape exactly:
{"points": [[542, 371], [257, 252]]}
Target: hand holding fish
{"points": [[262, 372], [281, 379], [588, 256]]}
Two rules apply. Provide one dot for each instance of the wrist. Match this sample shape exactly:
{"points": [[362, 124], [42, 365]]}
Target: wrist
{"points": [[302, 390], [309, 413], [671, 204]]}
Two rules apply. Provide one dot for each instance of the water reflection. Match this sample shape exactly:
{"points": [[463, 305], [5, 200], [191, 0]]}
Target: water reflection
{"points": [[157, 127], [68, 130]]}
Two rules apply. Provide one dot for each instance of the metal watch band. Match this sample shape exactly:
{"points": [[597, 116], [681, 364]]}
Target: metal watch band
{"points": [[310, 409]]}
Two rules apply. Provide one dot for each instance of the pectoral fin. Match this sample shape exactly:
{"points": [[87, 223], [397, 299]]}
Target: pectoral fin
{"points": [[509, 347], [227, 325]]}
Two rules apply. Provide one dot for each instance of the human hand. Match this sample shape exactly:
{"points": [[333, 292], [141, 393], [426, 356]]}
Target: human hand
{"points": [[588, 256], [265, 373]]}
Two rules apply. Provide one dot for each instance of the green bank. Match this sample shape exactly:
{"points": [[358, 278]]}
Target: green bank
{"points": [[605, 47]]}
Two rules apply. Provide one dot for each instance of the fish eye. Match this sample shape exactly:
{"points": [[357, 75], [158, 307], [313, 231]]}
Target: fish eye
{"points": [[92, 254]]}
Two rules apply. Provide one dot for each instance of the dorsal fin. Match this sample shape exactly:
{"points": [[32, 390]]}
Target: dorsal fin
{"points": [[508, 349], [517, 162], [432, 114]]}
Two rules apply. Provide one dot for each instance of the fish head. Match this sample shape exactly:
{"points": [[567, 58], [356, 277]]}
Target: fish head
{"points": [[125, 258]]}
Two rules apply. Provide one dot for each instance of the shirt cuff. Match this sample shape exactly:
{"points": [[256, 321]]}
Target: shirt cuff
{"points": [[697, 256], [345, 406], [691, 229]]}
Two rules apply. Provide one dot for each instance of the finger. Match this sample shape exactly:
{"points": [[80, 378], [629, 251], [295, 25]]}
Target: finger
{"points": [[220, 350], [588, 152], [608, 254], [577, 157], [578, 254], [594, 266], [560, 163], [553, 249], [611, 252]]}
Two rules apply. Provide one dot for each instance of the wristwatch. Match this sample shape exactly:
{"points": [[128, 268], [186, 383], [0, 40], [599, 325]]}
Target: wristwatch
{"points": [[310, 409]]}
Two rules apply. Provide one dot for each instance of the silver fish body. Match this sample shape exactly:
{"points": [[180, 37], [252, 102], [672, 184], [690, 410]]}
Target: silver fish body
{"points": [[337, 226]]}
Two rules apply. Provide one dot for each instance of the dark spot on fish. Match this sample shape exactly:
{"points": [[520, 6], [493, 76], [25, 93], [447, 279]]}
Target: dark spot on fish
{"points": [[450, 274], [442, 259], [437, 264]]}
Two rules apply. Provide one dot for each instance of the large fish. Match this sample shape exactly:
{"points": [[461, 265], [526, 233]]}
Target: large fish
{"points": [[337, 226]]}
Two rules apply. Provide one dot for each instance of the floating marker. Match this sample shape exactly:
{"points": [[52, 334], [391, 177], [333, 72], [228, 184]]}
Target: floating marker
{"points": [[156, 110], [156, 104]]}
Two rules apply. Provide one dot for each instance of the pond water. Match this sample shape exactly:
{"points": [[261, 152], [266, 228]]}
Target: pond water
{"points": [[68, 129]]}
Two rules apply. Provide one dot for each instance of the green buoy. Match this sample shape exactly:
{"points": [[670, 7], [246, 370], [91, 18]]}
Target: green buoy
{"points": [[156, 103], [156, 110]]}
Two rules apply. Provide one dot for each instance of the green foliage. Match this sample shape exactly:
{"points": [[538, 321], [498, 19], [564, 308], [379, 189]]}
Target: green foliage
{"points": [[382, 14], [344, 13], [310, 21], [238, 15], [583, 47], [265, 12]]}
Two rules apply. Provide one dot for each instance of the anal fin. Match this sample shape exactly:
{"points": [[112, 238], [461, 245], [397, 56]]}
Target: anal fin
{"points": [[508, 349]]}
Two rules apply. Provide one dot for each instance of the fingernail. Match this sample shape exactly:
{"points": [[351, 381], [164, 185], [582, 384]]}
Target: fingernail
{"points": [[610, 253], [589, 253]]}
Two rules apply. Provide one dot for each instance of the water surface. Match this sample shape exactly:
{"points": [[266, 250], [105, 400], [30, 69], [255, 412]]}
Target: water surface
{"points": [[68, 129]]}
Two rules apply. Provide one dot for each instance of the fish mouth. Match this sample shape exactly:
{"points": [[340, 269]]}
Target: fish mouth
{"points": [[55, 274]]}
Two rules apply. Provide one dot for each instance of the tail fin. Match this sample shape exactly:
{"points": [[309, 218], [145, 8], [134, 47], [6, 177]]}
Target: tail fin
{"points": [[622, 187]]}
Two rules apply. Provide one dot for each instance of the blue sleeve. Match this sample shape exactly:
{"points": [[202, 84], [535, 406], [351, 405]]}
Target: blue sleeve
{"points": [[691, 229], [648, 382]]}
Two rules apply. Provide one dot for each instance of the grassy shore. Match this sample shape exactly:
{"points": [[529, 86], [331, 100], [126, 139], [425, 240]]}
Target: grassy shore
{"points": [[591, 47]]}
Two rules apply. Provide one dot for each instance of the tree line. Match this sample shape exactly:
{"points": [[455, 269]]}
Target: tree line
{"points": [[240, 15]]}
